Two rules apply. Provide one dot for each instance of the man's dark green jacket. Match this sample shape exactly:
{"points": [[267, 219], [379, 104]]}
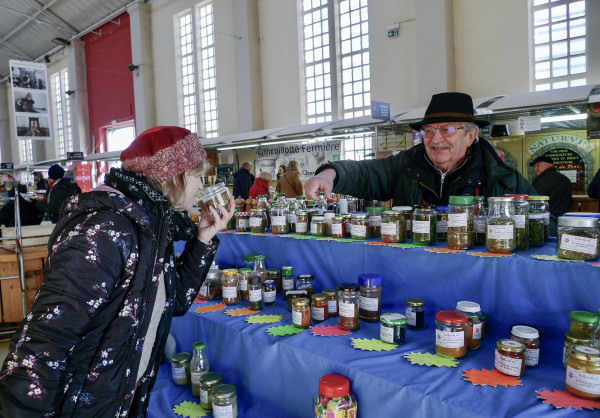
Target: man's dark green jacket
{"points": [[409, 176]]}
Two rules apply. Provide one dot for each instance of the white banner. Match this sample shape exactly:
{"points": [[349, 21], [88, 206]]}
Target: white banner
{"points": [[29, 84], [308, 156]]}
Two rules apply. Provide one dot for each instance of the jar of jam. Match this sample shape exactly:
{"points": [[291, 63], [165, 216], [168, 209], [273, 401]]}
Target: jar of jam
{"points": [[583, 324], [216, 195], [510, 357], [301, 312], [242, 221], [370, 297], [258, 220], [332, 302], [290, 295], [461, 214], [451, 334], [359, 228], [207, 382], [529, 337], [268, 292], [224, 402], [473, 312], [287, 279], [229, 278], [334, 398], [570, 341], [424, 227], [374, 213], [392, 328], [348, 300], [415, 313], [582, 377], [318, 227], [275, 274], [305, 282], [393, 226], [578, 238], [319, 307], [441, 222], [301, 222], [243, 275], [255, 293], [338, 227], [180, 369]]}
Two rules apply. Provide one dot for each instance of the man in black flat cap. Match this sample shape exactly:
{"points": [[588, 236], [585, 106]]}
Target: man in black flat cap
{"points": [[452, 160], [549, 182], [61, 188]]}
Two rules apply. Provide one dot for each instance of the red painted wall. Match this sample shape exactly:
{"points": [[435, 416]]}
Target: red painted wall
{"points": [[109, 81]]}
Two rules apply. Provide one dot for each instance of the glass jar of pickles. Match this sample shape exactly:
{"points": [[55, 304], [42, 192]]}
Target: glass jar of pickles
{"points": [[451, 334], [424, 225], [539, 208], [318, 227], [461, 217], [521, 220], [279, 222], [374, 213], [480, 219], [510, 357], [180, 368], [583, 324], [369, 306], [500, 236], [441, 223], [242, 221], [359, 228], [582, 377], [305, 282], [332, 302], [301, 312], [258, 220], [224, 402], [473, 312], [301, 222], [338, 227], [348, 300], [393, 226], [229, 278], [578, 238], [216, 195], [318, 309], [529, 337]]}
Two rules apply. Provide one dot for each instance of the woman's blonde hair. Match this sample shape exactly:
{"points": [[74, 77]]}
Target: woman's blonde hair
{"points": [[174, 190], [265, 175], [293, 165]]}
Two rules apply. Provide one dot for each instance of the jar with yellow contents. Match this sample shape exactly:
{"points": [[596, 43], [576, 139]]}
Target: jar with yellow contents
{"points": [[582, 375]]}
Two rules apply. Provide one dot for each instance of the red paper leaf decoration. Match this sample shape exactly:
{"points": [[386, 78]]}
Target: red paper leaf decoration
{"points": [[563, 399], [329, 331], [492, 377]]}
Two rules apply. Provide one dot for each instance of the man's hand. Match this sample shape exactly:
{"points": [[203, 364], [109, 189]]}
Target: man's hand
{"points": [[321, 182], [212, 221]]}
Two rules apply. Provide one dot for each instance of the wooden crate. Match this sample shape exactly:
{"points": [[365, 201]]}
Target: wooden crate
{"points": [[32, 235]]}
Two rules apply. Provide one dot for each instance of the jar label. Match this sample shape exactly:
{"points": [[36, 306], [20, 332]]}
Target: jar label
{"points": [[203, 396], [386, 333], [477, 331], [456, 220], [243, 223], [254, 222], [196, 377], [441, 226], [369, 304], [230, 292], [243, 284], [222, 411], [500, 232], [296, 317], [449, 339], [301, 226], [287, 284], [254, 295], [582, 381], [375, 220], [336, 229], [278, 221], [537, 216], [318, 314], [532, 356], [421, 227], [313, 228], [347, 309], [389, 228], [411, 317], [508, 365], [332, 306], [203, 290], [291, 218], [520, 221], [269, 296], [358, 230], [179, 373], [580, 244], [479, 225]]}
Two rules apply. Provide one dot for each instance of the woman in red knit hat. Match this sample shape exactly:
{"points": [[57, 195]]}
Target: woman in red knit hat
{"points": [[94, 337]]}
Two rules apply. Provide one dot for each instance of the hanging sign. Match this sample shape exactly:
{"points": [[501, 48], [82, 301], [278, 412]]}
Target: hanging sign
{"points": [[530, 123], [380, 110]]}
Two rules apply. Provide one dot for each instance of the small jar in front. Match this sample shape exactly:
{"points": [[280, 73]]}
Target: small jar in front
{"points": [[268, 292], [258, 220], [441, 223], [473, 311], [510, 357], [370, 297], [305, 282], [348, 300], [539, 208], [529, 337], [301, 222], [207, 382], [318, 308], [582, 374], [461, 223], [415, 313], [279, 221], [393, 226], [338, 227], [242, 221], [424, 228], [480, 219], [578, 238], [301, 312], [392, 328], [359, 228], [224, 401], [521, 221], [275, 274], [255, 293], [375, 213], [180, 369], [501, 227], [451, 334], [318, 227], [243, 275], [230, 280], [332, 302]]}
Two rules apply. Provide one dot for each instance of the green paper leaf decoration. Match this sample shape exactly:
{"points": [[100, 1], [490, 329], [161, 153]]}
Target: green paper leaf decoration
{"points": [[263, 319], [373, 344], [326, 239], [428, 359], [350, 240], [190, 409], [407, 246], [284, 330], [303, 237], [553, 258]]}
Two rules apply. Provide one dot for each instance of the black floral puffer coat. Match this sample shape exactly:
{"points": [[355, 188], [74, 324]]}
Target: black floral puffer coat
{"points": [[78, 350]]}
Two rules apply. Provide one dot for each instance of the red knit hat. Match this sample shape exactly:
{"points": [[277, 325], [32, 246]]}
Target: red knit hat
{"points": [[162, 152]]}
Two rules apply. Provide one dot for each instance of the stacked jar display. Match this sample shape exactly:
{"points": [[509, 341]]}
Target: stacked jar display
{"points": [[578, 238], [461, 214], [424, 225], [539, 220], [521, 220], [480, 219], [500, 235]]}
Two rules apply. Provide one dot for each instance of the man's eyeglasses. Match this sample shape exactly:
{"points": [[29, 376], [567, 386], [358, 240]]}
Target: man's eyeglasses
{"points": [[445, 131]]}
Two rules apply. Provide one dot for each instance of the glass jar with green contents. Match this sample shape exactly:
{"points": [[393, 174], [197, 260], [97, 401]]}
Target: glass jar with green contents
{"points": [[408, 213], [583, 324], [180, 368], [216, 195], [207, 382], [441, 223], [479, 219], [359, 228], [258, 220], [279, 224], [521, 220], [242, 221], [578, 238], [318, 227], [500, 237], [374, 213], [424, 225], [224, 403], [301, 222], [461, 222], [539, 213], [393, 226]]}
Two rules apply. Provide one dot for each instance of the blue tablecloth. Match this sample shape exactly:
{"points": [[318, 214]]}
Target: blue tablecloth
{"points": [[278, 376]]}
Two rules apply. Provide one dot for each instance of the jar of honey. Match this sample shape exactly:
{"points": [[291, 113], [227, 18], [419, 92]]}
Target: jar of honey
{"points": [[451, 334], [301, 312], [319, 307], [529, 337], [582, 377], [348, 299], [510, 357]]}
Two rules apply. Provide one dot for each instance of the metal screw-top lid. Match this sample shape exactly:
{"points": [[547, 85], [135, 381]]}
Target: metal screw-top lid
{"points": [[403, 208], [300, 301], [229, 272], [501, 199], [224, 391], [538, 198], [584, 352], [181, 358], [359, 216], [348, 287], [510, 345], [415, 302], [319, 297], [305, 277], [329, 292], [581, 222], [211, 378]]}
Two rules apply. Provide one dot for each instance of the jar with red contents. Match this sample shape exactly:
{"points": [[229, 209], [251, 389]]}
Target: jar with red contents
{"points": [[451, 334], [334, 398]]}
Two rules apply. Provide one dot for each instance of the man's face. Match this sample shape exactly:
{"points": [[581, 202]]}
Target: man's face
{"points": [[540, 167], [449, 151], [248, 167]]}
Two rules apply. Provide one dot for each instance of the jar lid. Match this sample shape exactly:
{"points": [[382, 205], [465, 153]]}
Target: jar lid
{"points": [[256, 210], [517, 196], [369, 279], [300, 198], [329, 292], [229, 272], [259, 257], [403, 208], [581, 222], [583, 352], [576, 340], [213, 274], [583, 214], [451, 317], [211, 378], [479, 198], [348, 287], [250, 257], [461, 200], [375, 208], [240, 214], [305, 277], [245, 270], [300, 301], [523, 331], [583, 316], [538, 198], [287, 270], [198, 345], [441, 208], [319, 297], [465, 306], [301, 212], [273, 272], [510, 345], [392, 212], [262, 195], [334, 386], [181, 358], [393, 319], [415, 302], [224, 391], [359, 216], [254, 280], [295, 293], [318, 218], [338, 218], [501, 199], [269, 283], [310, 202]]}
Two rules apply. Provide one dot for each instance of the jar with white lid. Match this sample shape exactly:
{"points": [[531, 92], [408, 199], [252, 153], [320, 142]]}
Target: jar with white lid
{"points": [[529, 337], [473, 312], [578, 238]]}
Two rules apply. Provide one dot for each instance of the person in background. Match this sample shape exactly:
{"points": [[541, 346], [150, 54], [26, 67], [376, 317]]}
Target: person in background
{"points": [[29, 212], [452, 160], [93, 340], [242, 181], [40, 181], [280, 171], [289, 183], [261, 185], [60, 189], [549, 182], [594, 187], [501, 155]]}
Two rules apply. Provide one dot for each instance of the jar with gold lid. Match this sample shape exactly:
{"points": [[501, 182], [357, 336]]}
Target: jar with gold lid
{"points": [[348, 302], [332, 302], [319, 312], [582, 375], [451, 334], [224, 403], [230, 290], [510, 357], [393, 226], [571, 341], [338, 227], [301, 312], [207, 382], [359, 226], [180, 368], [258, 220]]}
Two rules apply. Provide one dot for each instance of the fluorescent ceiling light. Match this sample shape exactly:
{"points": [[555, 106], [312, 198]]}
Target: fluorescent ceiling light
{"points": [[237, 147], [281, 142], [564, 118]]}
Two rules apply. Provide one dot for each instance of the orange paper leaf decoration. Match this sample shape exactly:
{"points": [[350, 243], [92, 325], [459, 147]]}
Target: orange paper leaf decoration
{"points": [[488, 254], [562, 399], [210, 308], [492, 377], [443, 250], [377, 243], [240, 312]]}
